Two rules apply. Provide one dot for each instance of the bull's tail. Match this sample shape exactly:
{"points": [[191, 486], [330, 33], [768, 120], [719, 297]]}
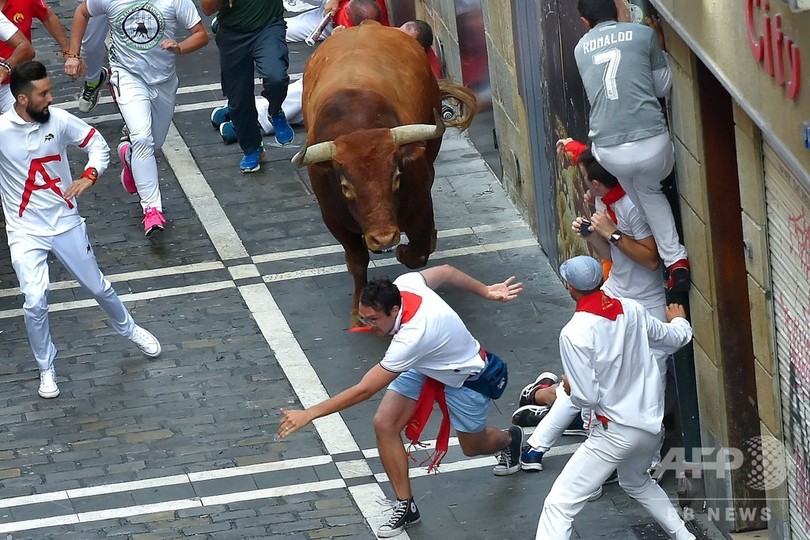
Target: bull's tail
{"points": [[463, 102]]}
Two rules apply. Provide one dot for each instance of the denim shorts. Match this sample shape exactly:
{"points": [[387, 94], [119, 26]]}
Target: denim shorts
{"points": [[468, 409]]}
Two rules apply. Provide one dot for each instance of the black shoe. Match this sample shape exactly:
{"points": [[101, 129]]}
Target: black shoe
{"points": [[612, 479], [405, 513], [544, 380], [509, 458], [529, 415]]}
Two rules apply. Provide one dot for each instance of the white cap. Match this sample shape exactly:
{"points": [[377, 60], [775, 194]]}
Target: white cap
{"points": [[582, 272]]}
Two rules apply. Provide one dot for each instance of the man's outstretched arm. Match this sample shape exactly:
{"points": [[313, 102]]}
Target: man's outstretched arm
{"points": [[372, 382], [446, 274]]}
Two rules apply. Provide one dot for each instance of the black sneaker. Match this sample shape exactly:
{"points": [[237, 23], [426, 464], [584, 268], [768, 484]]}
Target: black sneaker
{"points": [[509, 457], [529, 415], [544, 380], [612, 479], [576, 427], [90, 91], [405, 514], [531, 459]]}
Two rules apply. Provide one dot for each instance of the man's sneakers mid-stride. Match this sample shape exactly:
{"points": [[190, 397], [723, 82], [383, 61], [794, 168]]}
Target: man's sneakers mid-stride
{"points": [[127, 178], [90, 91], [282, 131], [509, 457], [531, 459], [146, 342], [153, 221], [252, 161], [405, 513], [47, 384]]}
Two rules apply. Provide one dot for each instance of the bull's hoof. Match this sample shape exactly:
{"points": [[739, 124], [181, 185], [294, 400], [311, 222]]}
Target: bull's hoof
{"points": [[412, 260]]}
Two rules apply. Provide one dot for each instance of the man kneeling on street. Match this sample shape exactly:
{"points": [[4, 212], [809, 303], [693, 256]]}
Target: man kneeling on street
{"points": [[432, 357]]}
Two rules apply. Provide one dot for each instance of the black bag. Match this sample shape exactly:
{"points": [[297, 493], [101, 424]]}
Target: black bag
{"points": [[492, 381]]}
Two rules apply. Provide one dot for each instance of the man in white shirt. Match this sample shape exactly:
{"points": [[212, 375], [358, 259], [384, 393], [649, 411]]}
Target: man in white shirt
{"points": [[605, 351], [143, 81], [40, 207], [431, 351]]}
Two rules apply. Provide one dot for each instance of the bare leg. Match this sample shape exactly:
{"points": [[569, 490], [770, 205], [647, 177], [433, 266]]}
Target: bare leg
{"points": [[489, 441], [392, 416], [546, 396]]}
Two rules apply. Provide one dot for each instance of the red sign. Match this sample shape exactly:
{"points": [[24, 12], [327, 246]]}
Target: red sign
{"points": [[780, 54]]}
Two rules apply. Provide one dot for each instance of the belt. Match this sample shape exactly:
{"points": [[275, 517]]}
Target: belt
{"points": [[604, 420]]}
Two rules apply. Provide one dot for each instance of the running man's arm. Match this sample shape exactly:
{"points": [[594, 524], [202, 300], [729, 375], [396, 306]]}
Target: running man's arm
{"points": [[55, 28], [446, 274], [372, 382], [87, 139], [23, 50], [580, 375], [73, 61]]}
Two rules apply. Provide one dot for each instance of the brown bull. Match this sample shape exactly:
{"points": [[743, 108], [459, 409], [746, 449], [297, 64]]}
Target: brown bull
{"points": [[373, 131]]}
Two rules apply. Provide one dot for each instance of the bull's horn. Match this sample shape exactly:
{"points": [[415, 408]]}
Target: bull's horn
{"points": [[417, 132], [314, 154]]}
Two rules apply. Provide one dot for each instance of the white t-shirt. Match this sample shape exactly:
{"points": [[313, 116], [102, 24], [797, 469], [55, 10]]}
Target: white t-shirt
{"points": [[610, 367], [137, 28], [35, 172], [432, 340], [7, 28], [629, 279]]}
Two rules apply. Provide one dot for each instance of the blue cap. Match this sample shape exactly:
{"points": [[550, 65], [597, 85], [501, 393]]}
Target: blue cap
{"points": [[582, 272]]}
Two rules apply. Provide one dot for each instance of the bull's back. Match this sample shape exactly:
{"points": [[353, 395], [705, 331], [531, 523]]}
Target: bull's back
{"points": [[375, 58]]}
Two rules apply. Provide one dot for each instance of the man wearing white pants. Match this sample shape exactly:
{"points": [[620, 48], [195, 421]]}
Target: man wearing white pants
{"points": [[143, 82], [20, 51], [92, 52], [40, 207], [605, 351], [625, 72]]}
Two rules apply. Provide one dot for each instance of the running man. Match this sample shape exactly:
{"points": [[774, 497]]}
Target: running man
{"points": [[625, 72], [41, 210], [432, 355], [143, 82]]}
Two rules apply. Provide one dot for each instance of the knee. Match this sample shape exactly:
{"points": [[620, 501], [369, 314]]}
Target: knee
{"points": [[635, 489], [384, 424], [36, 304], [143, 144]]}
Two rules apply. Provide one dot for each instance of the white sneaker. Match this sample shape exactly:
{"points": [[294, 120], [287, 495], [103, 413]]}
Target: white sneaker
{"points": [[146, 342], [47, 384], [595, 495]]}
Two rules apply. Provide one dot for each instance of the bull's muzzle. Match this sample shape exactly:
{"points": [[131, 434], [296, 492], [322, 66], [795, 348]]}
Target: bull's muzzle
{"points": [[380, 241]]}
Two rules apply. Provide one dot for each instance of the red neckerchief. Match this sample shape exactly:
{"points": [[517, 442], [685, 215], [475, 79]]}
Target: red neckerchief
{"points": [[574, 149], [615, 193], [600, 304], [432, 392]]}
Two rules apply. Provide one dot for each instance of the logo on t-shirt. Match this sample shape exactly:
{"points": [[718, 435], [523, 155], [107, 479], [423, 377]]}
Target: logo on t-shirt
{"points": [[18, 18], [142, 26]]}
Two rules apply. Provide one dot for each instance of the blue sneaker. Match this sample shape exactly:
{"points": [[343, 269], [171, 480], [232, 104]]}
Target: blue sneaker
{"points": [[251, 162], [576, 427], [531, 459], [283, 132], [219, 116], [227, 132]]}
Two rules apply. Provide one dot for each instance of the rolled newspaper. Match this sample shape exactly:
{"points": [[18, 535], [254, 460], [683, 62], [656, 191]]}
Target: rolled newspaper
{"points": [[316, 34]]}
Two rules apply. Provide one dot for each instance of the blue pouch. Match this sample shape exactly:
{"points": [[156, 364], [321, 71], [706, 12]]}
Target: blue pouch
{"points": [[492, 381]]}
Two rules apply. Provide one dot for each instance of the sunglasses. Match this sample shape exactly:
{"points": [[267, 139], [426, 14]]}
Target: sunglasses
{"points": [[368, 322]]}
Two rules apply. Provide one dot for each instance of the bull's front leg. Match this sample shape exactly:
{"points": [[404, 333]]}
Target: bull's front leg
{"points": [[357, 262], [421, 231]]}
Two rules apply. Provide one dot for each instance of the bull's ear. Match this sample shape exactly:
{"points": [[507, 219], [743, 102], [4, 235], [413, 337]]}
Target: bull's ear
{"points": [[410, 154]]}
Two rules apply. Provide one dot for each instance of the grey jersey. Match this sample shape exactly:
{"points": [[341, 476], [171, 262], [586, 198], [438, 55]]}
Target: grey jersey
{"points": [[616, 62]]}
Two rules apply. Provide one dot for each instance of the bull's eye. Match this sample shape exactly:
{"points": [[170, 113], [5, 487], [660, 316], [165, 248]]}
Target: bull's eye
{"points": [[395, 182], [347, 188]]}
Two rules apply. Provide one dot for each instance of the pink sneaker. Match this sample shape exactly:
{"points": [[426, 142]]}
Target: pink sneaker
{"points": [[127, 180], [153, 220]]}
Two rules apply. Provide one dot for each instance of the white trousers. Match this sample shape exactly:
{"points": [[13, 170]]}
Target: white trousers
{"points": [[640, 167], [551, 427], [29, 256], [6, 99], [302, 25], [94, 46], [147, 110], [627, 450], [292, 107]]}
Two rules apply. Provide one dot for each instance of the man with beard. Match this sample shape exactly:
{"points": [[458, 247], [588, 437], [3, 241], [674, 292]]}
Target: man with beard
{"points": [[40, 207]]}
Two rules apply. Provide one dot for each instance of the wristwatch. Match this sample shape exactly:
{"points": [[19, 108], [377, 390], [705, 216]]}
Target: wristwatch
{"points": [[616, 236]]}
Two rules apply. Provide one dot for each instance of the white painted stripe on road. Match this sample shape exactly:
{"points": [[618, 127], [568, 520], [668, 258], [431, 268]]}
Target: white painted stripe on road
{"points": [[132, 297], [267, 493], [375, 506], [139, 510], [258, 468], [149, 483], [27, 525], [201, 197]]}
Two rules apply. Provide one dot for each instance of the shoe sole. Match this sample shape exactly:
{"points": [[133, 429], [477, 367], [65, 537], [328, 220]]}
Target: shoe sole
{"points": [[226, 140], [575, 433], [253, 170], [391, 534], [152, 355], [129, 186], [105, 76], [48, 395], [595, 495], [278, 142], [531, 467], [153, 230], [506, 472]]}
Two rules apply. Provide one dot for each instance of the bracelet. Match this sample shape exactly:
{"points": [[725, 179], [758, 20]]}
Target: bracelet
{"points": [[6, 66], [73, 55], [90, 173]]}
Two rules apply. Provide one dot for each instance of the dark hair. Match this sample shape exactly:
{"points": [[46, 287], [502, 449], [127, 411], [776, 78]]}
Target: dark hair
{"points": [[24, 74], [362, 10], [596, 11], [381, 294], [424, 33], [595, 171], [586, 157]]}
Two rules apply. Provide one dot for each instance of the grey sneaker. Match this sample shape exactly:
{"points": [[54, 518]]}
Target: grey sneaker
{"points": [[509, 457], [146, 342], [90, 92], [405, 514], [47, 384]]}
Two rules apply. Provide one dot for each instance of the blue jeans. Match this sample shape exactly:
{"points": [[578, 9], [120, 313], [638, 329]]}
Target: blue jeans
{"points": [[265, 52]]}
